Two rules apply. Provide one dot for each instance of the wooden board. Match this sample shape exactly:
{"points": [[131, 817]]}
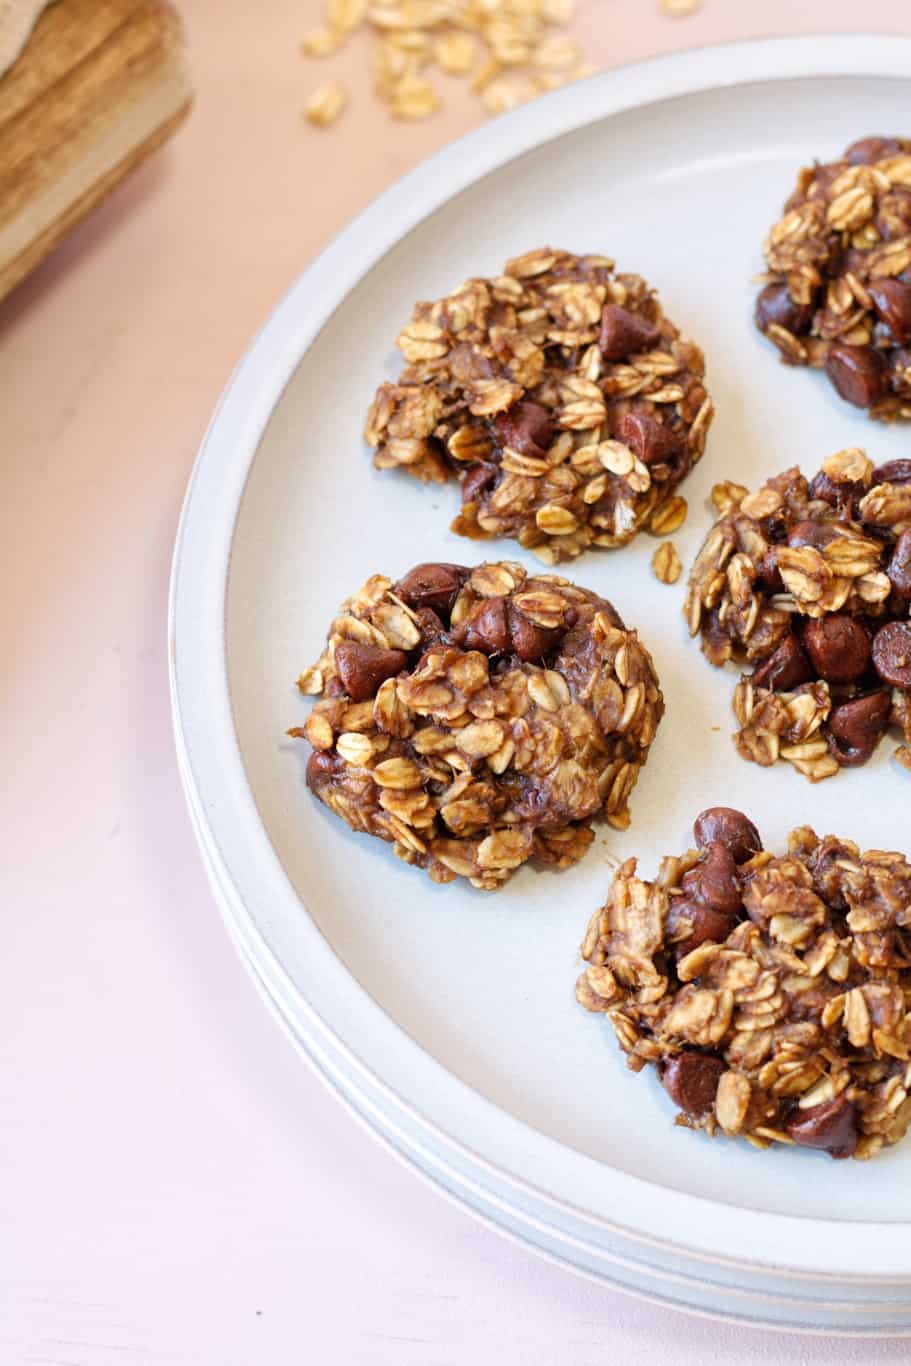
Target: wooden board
{"points": [[99, 85]]}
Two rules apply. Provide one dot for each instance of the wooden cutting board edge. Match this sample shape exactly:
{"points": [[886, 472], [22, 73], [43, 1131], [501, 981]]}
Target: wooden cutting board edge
{"points": [[158, 102]]}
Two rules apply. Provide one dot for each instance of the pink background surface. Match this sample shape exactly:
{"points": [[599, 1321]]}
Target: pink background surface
{"points": [[174, 1185]]}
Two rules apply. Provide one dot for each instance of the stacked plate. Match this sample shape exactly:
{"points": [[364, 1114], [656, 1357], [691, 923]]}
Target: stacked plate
{"points": [[445, 1017]]}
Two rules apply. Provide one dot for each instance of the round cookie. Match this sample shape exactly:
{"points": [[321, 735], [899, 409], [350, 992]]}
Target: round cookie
{"points": [[837, 294], [771, 993], [810, 584], [479, 719], [558, 394]]}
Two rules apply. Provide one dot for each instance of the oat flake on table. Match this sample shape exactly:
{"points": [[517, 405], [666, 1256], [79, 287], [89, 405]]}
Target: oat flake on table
{"points": [[509, 50]]}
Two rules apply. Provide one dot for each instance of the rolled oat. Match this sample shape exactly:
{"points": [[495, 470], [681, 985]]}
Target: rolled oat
{"points": [[666, 564], [326, 104]]}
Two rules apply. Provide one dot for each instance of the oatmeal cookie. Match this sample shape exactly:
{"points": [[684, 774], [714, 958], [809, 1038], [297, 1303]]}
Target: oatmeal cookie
{"points": [[478, 719], [837, 294], [770, 992], [558, 394], [810, 584]]}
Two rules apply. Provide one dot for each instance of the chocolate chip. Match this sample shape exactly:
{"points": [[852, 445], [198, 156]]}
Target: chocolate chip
{"points": [[320, 768], [899, 566], [838, 495], [787, 668], [624, 333], [691, 1080], [768, 575], [900, 365], [477, 481], [858, 373], [488, 628], [690, 924], [716, 642], [838, 647], [846, 261], [713, 882], [430, 626], [866, 151], [832, 1125], [362, 668], [816, 534], [648, 437], [825, 489], [893, 215], [432, 585], [775, 305], [724, 825], [855, 728], [892, 301], [893, 472], [526, 427], [892, 653], [529, 641]]}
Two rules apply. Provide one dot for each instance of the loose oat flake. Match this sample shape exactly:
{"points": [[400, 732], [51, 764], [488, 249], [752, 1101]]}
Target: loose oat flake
{"points": [[509, 50], [770, 992], [326, 104], [666, 564], [479, 719], [679, 9]]}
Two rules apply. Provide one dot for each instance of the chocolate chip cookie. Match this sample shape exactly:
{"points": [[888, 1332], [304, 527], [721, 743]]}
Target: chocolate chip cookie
{"points": [[837, 294], [809, 582], [771, 993], [558, 394], [478, 719]]}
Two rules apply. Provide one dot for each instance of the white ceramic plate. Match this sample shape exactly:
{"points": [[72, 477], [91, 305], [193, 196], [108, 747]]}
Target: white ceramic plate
{"points": [[445, 1017]]}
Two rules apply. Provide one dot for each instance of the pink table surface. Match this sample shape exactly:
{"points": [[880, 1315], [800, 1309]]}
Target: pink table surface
{"points": [[174, 1185]]}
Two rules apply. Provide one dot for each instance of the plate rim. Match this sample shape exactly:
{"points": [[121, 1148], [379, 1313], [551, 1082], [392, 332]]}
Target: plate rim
{"points": [[739, 1301], [210, 760]]}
